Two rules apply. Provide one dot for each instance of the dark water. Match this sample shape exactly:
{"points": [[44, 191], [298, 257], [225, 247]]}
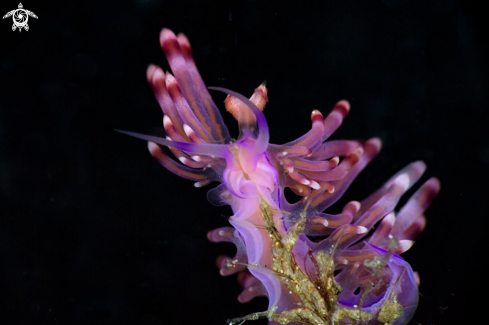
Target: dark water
{"points": [[94, 231]]}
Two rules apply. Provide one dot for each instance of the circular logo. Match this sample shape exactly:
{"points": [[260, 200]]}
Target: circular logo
{"points": [[20, 18]]}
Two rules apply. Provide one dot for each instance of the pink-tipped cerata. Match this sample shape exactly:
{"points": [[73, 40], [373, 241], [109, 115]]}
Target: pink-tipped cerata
{"points": [[314, 266]]}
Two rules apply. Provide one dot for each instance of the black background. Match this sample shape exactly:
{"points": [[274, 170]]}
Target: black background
{"points": [[94, 231]]}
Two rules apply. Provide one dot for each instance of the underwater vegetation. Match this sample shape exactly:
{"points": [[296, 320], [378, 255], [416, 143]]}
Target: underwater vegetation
{"points": [[314, 267]]}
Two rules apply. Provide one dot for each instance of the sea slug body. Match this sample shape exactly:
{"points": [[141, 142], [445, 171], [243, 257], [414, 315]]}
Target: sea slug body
{"points": [[314, 267]]}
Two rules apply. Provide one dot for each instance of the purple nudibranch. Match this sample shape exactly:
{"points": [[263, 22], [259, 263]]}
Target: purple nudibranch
{"points": [[352, 272]]}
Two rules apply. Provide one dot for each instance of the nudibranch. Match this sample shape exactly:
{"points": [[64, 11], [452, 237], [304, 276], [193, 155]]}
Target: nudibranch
{"points": [[314, 267]]}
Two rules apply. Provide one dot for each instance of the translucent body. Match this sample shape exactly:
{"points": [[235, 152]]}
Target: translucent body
{"points": [[353, 274]]}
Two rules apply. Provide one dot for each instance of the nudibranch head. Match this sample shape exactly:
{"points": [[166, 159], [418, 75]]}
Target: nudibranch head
{"points": [[315, 267]]}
